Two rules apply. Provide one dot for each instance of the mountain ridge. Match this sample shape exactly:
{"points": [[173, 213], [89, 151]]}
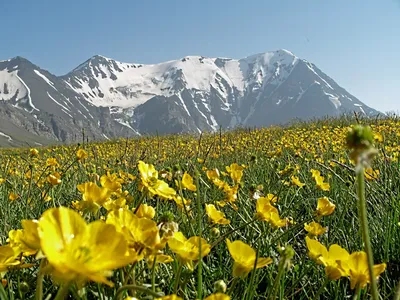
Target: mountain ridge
{"points": [[108, 99]]}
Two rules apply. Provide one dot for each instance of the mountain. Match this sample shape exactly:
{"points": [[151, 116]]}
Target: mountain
{"points": [[108, 99]]}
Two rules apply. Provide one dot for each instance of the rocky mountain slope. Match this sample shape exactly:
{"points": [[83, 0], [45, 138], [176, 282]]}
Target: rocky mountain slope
{"points": [[105, 98]]}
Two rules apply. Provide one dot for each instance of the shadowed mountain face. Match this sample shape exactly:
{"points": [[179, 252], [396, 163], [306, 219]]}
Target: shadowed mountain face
{"points": [[106, 99]]}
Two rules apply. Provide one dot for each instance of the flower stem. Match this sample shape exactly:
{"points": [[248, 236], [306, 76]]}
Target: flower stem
{"points": [[140, 202], [153, 274], [178, 277], [321, 289], [278, 277], [356, 295], [199, 224], [365, 230], [3, 294], [397, 295], [233, 285], [39, 281], [63, 291]]}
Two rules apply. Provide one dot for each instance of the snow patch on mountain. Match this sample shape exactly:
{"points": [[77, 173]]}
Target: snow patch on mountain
{"points": [[11, 86], [6, 136], [50, 83]]}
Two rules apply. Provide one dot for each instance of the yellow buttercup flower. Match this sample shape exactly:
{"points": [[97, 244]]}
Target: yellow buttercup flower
{"points": [[265, 211], [52, 162], [314, 228], [272, 198], [141, 233], [78, 251], [145, 211], [296, 181], [158, 258], [93, 196], [25, 241], [316, 250], [54, 179], [216, 216], [170, 297], [332, 259], [150, 181], [187, 182], [13, 196], [33, 151], [325, 207], [30, 238], [371, 174], [8, 258], [236, 172], [81, 154], [319, 180], [218, 296], [244, 258], [357, 268], [112, 182], [188, 249]]}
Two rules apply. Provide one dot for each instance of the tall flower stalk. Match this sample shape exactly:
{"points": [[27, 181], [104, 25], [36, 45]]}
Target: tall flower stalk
{"points": [[359, 140]]}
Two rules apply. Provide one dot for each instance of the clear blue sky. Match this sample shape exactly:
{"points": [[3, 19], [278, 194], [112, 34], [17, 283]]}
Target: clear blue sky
{"points": [[356, 42]]}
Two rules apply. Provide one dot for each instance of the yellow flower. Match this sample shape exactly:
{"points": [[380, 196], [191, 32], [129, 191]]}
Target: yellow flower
{"points": [[30, 238], [265, 211], [8, 258], [141, 233], [371, 174], [188, 249], [13, 196], [25, 241], [170, 297], [111, 182], [325, 207], [296, 181], [182, 202], [78, 251], [146, 211], [316, 250], [150, 181], [81, 154], [187, 182], [93, 196], [324, 186], [236, 172], [332, 259], [319, 180], [314, 228], [218, 296], [336, 254], [244, 258], [33, 151], [158, 258], [357, 268], [51, 162], [54, 178], [272, 198], [216, 216]]}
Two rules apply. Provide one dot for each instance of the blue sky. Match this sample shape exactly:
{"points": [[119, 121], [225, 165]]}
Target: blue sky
{"points": [[356, 42]]}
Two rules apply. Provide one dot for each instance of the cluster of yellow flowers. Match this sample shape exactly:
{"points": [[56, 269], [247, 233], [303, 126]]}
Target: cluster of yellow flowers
{"points": [[118, 212]]}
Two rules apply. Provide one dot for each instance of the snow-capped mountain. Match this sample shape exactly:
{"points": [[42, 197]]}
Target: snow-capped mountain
{"points": [[109, 98]]}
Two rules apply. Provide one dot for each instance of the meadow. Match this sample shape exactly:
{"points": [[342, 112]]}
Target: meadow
{"points": [[268, 213]]}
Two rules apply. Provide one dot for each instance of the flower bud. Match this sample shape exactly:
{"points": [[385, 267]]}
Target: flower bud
{"points": [[215, 233], [220, 286]]}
